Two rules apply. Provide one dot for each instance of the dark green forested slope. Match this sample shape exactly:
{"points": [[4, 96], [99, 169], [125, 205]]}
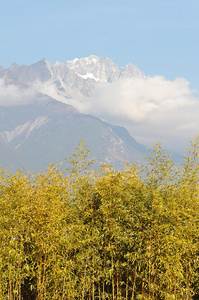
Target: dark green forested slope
{"points": [[102, 234]]}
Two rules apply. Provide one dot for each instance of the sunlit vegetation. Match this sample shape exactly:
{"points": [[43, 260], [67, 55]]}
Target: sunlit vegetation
{"points": [[101, 234]]}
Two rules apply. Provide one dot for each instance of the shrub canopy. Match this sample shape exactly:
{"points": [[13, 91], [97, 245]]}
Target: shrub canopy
{"points": [[85, 234]]}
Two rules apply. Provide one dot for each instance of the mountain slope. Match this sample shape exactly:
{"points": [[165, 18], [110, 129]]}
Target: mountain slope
{"points": [[37, 134]]}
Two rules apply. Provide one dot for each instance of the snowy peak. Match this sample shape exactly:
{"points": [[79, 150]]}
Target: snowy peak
{"points": [[92, 59], [94, 67], [75, 78], [102, 69], [98, 69]]}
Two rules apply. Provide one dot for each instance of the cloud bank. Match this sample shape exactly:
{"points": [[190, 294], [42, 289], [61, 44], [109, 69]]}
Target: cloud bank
{"points": [[11, 94], [152, 108]]}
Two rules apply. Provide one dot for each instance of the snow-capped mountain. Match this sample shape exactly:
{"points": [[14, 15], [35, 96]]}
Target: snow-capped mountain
{"points": [[36, 129], [75, 77]]}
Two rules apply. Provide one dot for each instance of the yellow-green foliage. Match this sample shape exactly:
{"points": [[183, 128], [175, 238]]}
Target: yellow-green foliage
{"points": [[84, 234]]}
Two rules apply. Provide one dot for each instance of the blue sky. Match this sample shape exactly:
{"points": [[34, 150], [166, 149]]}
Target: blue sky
{"points": [[161, 37]]}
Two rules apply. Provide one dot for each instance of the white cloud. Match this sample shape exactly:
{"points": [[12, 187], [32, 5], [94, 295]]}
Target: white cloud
{"points": [[152, 108], [11, 94]]}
